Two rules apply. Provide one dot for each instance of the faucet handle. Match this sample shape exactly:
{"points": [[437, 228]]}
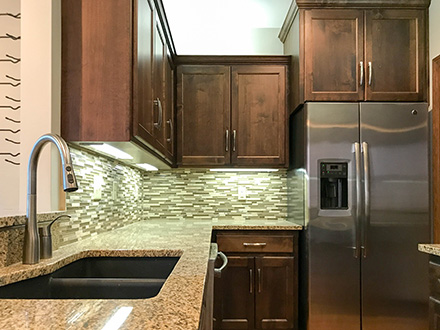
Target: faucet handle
{"points": [[46, 238]]}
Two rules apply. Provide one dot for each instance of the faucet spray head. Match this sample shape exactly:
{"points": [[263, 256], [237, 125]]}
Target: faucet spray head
{"points": [[69, 179]]}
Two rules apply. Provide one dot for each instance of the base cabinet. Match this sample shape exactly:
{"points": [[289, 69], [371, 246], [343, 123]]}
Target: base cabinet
{"points": [[258, 288], [434, 292]]}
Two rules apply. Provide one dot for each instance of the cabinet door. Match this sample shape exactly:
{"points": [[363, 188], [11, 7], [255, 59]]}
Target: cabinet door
{"points": [[203, 115], [395, 55], [258, 115], [434, 314], [143, 106], [169, 108], [234, 295], [159, 56], [333, 44], [275, 293]]}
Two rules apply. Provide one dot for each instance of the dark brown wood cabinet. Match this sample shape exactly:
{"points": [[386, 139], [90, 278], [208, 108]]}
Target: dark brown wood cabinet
{"points": [[371, 55], [434, 292], [367, 50], [231, 112], [258, 288], [116, 76], [258, 115], [203, 115], [395, 55], [143, 98], [333, 47]]}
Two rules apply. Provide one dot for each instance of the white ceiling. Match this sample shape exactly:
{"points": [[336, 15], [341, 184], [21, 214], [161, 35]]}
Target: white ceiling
{"points": [[226, 27]]}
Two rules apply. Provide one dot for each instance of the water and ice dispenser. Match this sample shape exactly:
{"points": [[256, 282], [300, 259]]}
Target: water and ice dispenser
{"points": [[334, 188]]}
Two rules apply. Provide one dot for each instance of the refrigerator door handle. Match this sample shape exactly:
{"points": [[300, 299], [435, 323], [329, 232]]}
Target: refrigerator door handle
{"points": [[366, 222], [357, 152]]}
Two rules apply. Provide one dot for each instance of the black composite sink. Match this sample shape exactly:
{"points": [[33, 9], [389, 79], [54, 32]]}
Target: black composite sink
{"points": [[97, 278]]}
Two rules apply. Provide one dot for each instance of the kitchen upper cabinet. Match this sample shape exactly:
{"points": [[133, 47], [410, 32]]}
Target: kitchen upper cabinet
{"points": [[334, 50], [371, 55], [232, 112], [203, 114], [159, 61], [143, 109], [395, 55], [169, 131], [116, 76], [258, 115]]}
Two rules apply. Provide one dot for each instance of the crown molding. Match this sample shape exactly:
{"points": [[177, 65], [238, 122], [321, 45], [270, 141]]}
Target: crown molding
{"points": [[288, 21], [364, 3]]}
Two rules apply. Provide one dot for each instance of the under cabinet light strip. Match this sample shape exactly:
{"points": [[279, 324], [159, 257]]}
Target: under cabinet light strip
{"points": [[243, 169]]}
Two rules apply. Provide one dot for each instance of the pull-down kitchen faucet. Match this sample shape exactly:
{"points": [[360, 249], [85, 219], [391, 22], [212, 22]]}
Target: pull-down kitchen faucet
{"points": [[31, 247]]}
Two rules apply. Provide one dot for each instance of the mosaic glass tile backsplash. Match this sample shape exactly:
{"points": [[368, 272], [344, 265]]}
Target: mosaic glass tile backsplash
{"points": [[129, 195], [119, 204], [201, 194]]}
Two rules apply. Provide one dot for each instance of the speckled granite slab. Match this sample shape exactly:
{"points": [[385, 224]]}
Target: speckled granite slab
{"points": [[430, 248], [15, 220], [176, 307]]}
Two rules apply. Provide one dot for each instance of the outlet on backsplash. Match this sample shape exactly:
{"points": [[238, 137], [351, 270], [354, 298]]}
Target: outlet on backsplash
{"points": [[115, 191], [97, 187], [242, 193]]}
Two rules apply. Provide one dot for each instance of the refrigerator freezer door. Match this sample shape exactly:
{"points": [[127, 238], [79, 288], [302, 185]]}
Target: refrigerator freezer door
{"points": [[329, 236], [394, 274]]}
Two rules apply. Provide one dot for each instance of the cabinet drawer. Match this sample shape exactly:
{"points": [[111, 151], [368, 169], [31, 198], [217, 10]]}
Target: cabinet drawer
{"points": [[434, 280], [255, 243]]}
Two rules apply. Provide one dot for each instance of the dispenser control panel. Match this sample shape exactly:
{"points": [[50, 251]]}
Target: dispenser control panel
{"points": [[333, 170]]}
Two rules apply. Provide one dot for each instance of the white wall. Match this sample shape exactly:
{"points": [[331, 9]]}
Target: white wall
{"points": [[434, 39], [40, 102], [41, 93], [227, 27]]}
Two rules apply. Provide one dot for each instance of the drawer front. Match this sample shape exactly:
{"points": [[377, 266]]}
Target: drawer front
{"points": [[255, 243], [434, 280]]}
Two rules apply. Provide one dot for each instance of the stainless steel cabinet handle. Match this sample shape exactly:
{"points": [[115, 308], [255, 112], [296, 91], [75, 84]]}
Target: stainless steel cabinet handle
{"points": [[366, 224], [227, 140], [362, 73], [254, 244], [251, 280], [170, 122], [158, 103], [234, 137], [259, 280], [218, 271], [370, 73], [357, 149]]}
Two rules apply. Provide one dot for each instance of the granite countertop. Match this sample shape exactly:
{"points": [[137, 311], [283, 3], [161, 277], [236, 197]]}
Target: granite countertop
{"points": [[178, 304], [430, 248]]}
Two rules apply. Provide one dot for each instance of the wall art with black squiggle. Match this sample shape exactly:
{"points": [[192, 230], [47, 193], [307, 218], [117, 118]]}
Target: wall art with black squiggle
{"points": [[10, 83], [11, 161]]}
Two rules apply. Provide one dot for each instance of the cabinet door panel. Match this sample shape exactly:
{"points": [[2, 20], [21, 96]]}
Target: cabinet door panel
{"points": [[258, 115], [143, 109], [169, 109], [334, 51], [159, 57], [234, 295], [203, 114], [274, 293], [395, 42]]}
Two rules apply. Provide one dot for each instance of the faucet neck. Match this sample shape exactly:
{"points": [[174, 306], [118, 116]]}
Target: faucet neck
{"points": [[31, 248]]}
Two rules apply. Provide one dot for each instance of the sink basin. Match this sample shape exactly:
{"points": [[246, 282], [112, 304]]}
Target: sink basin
{"points": [[97, 278]]}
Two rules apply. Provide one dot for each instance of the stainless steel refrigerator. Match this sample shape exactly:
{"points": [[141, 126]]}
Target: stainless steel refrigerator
{"points": [[366, 206]]}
